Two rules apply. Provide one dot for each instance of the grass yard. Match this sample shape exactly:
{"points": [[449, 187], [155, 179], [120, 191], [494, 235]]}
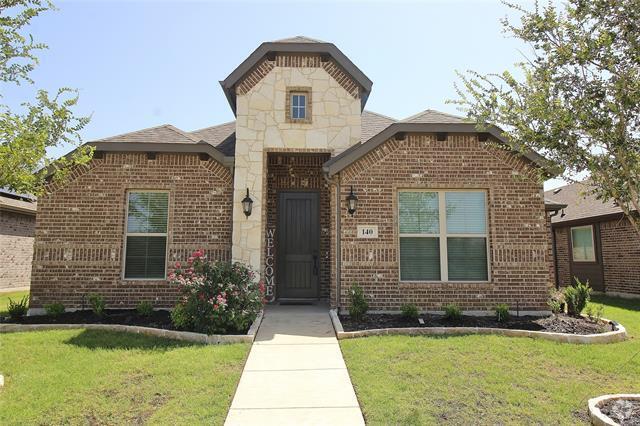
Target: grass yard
{"points": [[16, 296], [96, 377], [491, 379]]}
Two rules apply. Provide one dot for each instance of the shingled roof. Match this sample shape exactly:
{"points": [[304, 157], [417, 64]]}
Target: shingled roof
{"points": [[165, 133], [433, 116], [581, 203]]}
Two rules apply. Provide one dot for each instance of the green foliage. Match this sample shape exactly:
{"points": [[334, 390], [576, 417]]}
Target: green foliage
{"points": [[144, 308], [502, 312], [358, 306], [26, 134], [594, 313], [18, 309], [577, 296], [216, 297], [556, 301], [54, 309], [410, 311], [452, 312], [578, 101], [97, 304]]}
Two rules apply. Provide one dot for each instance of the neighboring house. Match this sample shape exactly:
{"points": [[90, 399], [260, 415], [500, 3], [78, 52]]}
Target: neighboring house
{"points": [[443, 214], [594, 241], [17, 226]]}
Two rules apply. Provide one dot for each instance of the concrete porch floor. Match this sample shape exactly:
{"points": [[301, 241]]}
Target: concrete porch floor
{"points": [[295, 373]]}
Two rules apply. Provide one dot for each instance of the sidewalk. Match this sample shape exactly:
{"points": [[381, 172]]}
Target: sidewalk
{"points": [[295, 373]]}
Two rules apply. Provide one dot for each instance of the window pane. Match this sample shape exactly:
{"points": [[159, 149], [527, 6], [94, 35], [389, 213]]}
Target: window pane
{"points": [[145, 257], [467, 259], [420, 259], [419, 213], [158, 207], [582, 244], [137, 216], [466, 213], [147, 212]]}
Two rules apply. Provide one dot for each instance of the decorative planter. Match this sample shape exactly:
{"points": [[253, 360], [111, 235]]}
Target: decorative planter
{"points": [[597, 417], [209, 339], [618, 335]]}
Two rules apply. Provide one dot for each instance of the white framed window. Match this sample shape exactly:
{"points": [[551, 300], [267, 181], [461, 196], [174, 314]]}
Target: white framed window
{"points": [[146, 235], [298, 106], [583, 244], [443, 235]]}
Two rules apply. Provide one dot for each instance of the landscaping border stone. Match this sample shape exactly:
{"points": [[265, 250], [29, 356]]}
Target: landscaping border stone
{"points": [[599, 419], [618, 335], [209, 339]]}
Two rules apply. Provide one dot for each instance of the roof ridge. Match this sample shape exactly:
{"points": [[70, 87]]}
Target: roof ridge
{"points": [[429, 110], [380, 115], [182, 132], [131, 132], [211, 127]]}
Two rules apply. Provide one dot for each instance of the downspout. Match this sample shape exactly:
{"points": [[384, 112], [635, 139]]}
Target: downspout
{"points": [[338, 238]]}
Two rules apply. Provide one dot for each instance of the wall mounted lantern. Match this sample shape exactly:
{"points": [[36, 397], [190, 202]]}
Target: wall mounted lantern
{"points": [[352, 202], [247, 203]]}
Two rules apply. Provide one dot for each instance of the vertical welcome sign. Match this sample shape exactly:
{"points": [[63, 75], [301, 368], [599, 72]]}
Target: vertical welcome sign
{"points": [[269, 270]]}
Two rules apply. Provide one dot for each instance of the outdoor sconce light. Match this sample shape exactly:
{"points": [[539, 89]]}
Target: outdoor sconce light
{"points": [[563, 213], [352, 202], [247, 203]]}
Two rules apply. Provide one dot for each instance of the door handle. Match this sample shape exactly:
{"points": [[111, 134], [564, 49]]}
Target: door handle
{"points": [[315, 264]]}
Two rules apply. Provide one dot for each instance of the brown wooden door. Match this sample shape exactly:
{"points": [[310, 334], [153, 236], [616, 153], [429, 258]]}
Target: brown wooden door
{"points": [[298, 245]]}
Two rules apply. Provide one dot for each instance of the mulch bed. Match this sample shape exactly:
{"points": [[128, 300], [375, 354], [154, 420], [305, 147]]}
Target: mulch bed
{"points": [[158, 319], [625, 412], [556, 323]]}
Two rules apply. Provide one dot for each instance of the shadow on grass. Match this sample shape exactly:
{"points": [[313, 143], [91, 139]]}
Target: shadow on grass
{"points": [[97, 339], [617, 302]]}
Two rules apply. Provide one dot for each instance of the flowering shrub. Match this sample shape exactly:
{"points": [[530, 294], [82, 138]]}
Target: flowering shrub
{"points": [[216, 297]]}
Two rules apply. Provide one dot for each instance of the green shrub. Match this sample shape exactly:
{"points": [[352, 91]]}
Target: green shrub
{"points": [[594, 314], [144, 308], [18, 309], [410, 311], [216, 297], [54, 309], [97, 304], [359, 305], [502, 312], [452, 312], [556, 301], [577, 296]]}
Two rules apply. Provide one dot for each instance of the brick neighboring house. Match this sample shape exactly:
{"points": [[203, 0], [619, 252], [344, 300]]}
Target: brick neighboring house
{"points": [[594, 241], [17, 228], [444, 214]]}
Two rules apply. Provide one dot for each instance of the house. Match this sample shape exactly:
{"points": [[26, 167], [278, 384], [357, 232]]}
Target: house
{"points": [[17, 226], [312, 191], [594, 241]]}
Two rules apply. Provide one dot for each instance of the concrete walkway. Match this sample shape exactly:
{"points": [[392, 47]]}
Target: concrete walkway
{"points": [[295, 374]]}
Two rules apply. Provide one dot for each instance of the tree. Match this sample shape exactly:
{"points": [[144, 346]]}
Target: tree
{"points": [[578, 100], [25, 135]]}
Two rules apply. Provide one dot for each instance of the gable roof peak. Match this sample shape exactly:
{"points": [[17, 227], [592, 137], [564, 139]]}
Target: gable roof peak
{"points": [[299, 39], [433, 116]]}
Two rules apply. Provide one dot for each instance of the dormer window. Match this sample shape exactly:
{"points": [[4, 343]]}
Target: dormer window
{"points": [[298, 108]]}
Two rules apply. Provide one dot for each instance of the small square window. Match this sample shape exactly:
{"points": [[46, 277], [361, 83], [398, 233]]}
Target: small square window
{"points": [[298, 107]]}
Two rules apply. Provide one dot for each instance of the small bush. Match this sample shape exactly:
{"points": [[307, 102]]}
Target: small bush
{"points": [[18, 309], [577, 296], [556, 301], [54, 309], [359, 305], [180, 318], [144, 309], [410, 311], [594, 314], [502, 312], [97, 304], [452, 312]]}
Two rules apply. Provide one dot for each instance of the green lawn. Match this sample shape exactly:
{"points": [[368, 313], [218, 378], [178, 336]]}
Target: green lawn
{"points": [[491, 379], [16, 296], [95, 377]]}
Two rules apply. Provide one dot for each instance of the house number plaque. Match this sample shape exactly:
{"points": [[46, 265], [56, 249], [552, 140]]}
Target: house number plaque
{"points": [[367, 231]]}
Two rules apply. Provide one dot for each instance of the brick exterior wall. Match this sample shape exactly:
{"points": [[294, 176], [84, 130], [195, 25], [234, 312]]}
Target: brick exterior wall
{"points": [[16, 249], [518, 234], [300, 172], [81, 224], [562, 255]]}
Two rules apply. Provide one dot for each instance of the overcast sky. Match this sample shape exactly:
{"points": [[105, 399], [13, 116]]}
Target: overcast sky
{"points": [[141, 64]]}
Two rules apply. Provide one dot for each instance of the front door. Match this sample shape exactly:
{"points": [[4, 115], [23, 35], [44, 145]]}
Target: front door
{"points": [[298, 245]]}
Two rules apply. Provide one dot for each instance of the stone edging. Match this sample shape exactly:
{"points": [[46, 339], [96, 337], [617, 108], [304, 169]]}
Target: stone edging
{"points": [[619, 335], [211, 339], [599, 419]]}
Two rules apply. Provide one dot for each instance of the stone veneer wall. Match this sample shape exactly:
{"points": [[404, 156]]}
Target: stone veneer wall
{"points": [[518, 234], [300, 172], [16, 249], [261, 126], [80, 230]]}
